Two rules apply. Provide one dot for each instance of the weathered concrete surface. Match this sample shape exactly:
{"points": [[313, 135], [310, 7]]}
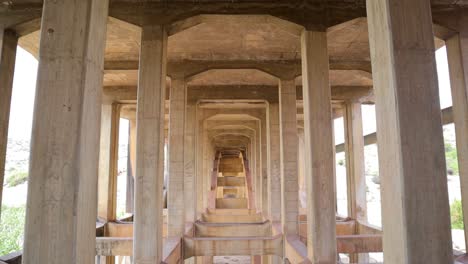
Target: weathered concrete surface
{"points": [[62, 197], [457, 48], [412, 164], [8, 43], [176, 200], [150, 147], [288, 157], [319, 150]]}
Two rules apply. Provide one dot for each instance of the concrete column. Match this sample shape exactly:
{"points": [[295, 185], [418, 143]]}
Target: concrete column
{"points": [[415, 213], [189, 163], [274, 181], [199, 177], [319, 151], [148, 223], [175, 202], [457, 54], [301, 168], [8, 43], [131, 165], [354, 150], [108, 162], [288, 157], [63, 174], [258, 166], [356, 179], [264, 142]]}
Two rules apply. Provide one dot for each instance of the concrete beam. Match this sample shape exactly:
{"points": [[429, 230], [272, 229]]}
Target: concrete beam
{"points": [[447, 118], [239, 92], [233, 246], [279, 69]]}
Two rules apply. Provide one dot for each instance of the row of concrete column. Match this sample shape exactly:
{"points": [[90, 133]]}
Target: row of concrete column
{"points": [[62, 197]]}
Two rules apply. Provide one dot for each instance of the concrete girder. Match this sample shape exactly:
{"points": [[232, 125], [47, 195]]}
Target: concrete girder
{"points": [[249, 92], [280, 69]]}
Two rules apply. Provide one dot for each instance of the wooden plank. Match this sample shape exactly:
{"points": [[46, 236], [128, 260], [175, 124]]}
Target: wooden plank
{"points": [[412, 164], [8, 44], [62, 197], [149, 180], [319, 158]]}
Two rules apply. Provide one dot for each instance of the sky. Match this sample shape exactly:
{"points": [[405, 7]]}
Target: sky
{"points": [[25, 83]]}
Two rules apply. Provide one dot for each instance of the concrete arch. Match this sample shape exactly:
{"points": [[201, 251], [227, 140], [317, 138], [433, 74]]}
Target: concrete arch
{"points": [[285, 25]]}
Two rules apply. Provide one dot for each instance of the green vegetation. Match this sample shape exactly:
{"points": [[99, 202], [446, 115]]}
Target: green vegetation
{"points": [[341, 162], [451, 158], [11, 229], [456, 215], [16, 178]]}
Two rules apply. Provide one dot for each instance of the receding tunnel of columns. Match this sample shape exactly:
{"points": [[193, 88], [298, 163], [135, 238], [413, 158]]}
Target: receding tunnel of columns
{"points": [[234, 119]]}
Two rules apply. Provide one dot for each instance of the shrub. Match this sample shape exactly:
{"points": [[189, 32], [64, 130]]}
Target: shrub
{"points": [[456, 215], [11, 229], [17, 178], [341, 162], [451, 159]]}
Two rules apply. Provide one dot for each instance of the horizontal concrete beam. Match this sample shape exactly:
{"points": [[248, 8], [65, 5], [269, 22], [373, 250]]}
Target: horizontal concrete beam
{"points": [[280, 69], [447, 118], [203, 229], [238, 92], [359, 244], [232, 218], [231, 203], [231, 181], [113, 246], [233, 246], [123, 246]]}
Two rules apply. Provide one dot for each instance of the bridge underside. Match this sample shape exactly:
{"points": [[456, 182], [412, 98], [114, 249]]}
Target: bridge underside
{"points": [[231, 108]]}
